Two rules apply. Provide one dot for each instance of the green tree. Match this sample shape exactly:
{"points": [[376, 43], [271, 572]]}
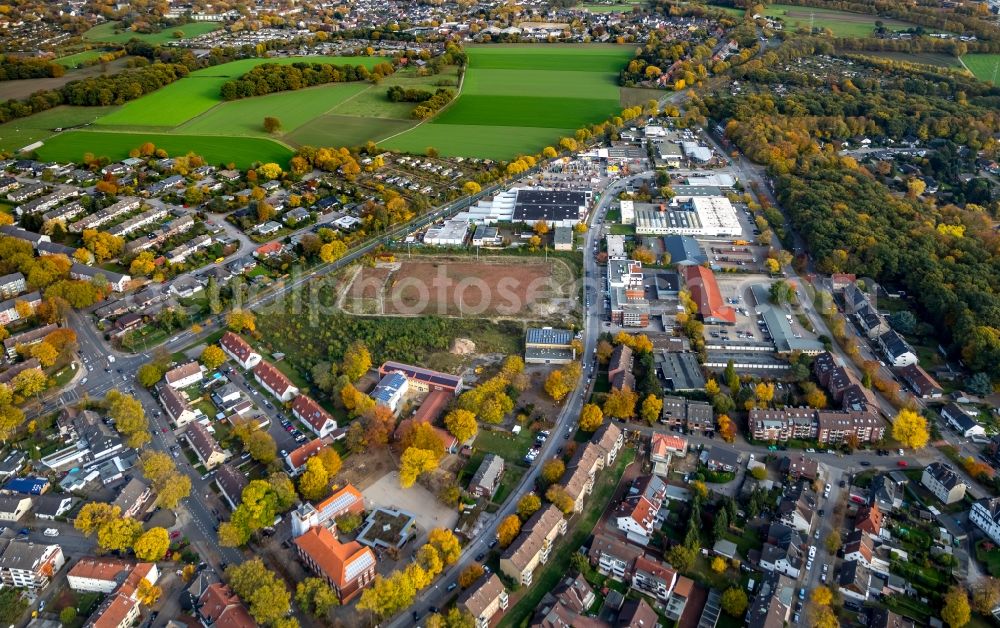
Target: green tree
{"points": [[315, 597], [261, 589], [681, 557], [149, 374], [734, 602]]}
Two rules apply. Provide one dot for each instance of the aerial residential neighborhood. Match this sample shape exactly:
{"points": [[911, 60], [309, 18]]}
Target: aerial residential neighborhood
{"points": [[645, 313]]}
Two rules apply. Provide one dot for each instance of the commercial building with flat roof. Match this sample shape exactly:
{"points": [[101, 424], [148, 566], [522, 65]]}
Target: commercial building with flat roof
{"points": [[559, 208]]}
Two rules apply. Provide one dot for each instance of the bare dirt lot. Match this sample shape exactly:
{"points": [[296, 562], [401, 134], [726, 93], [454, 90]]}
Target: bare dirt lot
{"points": [[495, 287]]}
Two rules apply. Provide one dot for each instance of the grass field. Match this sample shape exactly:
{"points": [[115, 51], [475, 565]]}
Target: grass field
{"points": [[982, 65], [17, 134], [71, 61], [246, 116], [336, 130], [519, 98], [840, 23], [182, 100], [106, 32], [242, 151]]}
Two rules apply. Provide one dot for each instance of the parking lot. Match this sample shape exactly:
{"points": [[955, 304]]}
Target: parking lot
{"points": [[428, 511]]}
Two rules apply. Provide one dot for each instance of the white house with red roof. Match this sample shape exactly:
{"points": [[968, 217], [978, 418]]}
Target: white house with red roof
{"points": [[274, 381], [239, 350], [312, 414], [637, 514]]}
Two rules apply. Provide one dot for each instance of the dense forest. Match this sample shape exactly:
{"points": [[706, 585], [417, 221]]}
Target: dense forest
{"points": [[947, 256], [269, 78], [15, 68], [115, 89]]}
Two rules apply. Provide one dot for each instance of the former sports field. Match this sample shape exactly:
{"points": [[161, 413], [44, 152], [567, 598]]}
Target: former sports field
{"points": [[527, 289]]}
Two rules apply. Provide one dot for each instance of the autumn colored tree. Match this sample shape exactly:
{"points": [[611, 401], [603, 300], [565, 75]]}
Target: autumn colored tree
{"points": [[130, 418], [357, 360], [314, 483], [652, 407], [424, 436], [152, 545], [470, 574], [118, 534], [262, 590], [553, 470], [727, 428], [681, 557], [591, 417], [560, 498], [821, 596], [413, 463], [604, 351], [734, 601], [556, 386], [332, 251], [471, 187], [241, 320], [331, 461], [718, 564], [620, 403], [644, 255], [93, 515], [956, 612], [271, 124], [508, 530], [212, 357], [315, 597], [910, 429], [541, 227], [528, 505], [446, 544], [461, 424]]}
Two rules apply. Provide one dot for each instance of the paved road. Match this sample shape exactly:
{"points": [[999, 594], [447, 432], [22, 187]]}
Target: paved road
{"points": [[436, 594]]}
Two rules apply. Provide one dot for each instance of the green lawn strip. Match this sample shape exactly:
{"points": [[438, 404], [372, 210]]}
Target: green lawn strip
{"points": [[991, 558], [243, 151], [579, 58], [106, 32], [511, 476], [484, 141], [18, 133], [293, 109], [580, 527], [541, 83], [374, 103], [527, 111], [510, 447]]}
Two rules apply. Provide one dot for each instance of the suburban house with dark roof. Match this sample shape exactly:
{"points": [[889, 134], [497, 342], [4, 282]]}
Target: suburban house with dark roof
{"points": [[855, 580], [897, 351], [925, 386], [177, 407], [943, 481], [718, 458], [532, 546], [231, 483], [312, 414], [638, 513], [184, 375], [484, 599], [961, 421], [274, 381], [205, 446], [239, 350], [985, 514], [347, 567], [486, 481], [620, 368], [134, 497], [612, 556]]}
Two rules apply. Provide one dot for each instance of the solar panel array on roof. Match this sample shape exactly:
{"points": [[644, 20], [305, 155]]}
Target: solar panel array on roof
{"points": [[549, 336], [359, 565], [338, 504]]}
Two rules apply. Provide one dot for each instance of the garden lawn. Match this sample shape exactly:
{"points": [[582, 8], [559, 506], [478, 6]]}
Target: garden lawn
{"points": [[106, 32], [990, 558], [508, 446], [242, 151], [527, 111], [200, 91], [541, 83], [72, 61], [18, 133], [246, 116], [590, 58], [982, 65]]}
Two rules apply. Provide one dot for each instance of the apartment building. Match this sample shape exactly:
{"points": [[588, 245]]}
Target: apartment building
{"points": [[532, 546]]}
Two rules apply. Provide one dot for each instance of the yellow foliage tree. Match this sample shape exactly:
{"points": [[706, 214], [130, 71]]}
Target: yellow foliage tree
{"points": [[591, 417], [413, 463], [910, 429], [508, 530]]}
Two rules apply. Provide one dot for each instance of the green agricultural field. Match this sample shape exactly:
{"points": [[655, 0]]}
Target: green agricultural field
{"points": [[926, 58], [337, 130], [71, 61], [246, 116], [984, 66], [519, 98], [17, 134], [243, 151], [199, 91], [106, 33], [488, 142], [840, 23]]}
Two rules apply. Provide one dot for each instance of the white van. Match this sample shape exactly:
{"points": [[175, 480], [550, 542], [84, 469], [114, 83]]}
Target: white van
{"points": [[51, 532]]}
